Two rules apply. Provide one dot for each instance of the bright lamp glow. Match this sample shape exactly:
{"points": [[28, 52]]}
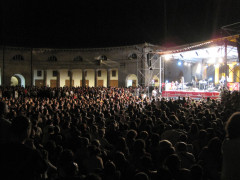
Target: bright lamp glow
{"points": [[220, 60], [179, 63], [167, 57], [198, 70], [211, 61]]}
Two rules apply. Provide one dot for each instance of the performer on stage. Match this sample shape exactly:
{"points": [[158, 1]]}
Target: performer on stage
{"points": [[222, 82], [176, 84], [172, 85]]}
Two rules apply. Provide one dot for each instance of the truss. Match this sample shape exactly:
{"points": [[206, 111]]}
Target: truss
{"points": [[147, 68]]}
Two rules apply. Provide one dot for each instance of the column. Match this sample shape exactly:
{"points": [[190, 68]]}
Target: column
{"points": [[45, 78], [225, 63], [216, 80], [58, 79], [83, 78], [231, 66], [96, 74], [108, 77], [71, 79], [204, 72]]}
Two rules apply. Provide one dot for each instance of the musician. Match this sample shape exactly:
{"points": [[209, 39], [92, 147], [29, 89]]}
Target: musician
{"points": [[222, 80], [176, 84], [172, 85], [181, 83]]}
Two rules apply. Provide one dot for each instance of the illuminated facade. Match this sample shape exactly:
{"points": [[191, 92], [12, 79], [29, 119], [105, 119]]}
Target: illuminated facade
{"points": [[141, 64]]}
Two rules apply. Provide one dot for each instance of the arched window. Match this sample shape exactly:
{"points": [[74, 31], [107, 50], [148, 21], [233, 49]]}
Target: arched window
{"points": [[78, 59], [133, 56], [18, 57], [103, 58], [52, 59]]}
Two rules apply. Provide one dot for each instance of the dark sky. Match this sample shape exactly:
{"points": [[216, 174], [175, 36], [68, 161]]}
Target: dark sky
{"points": [[103, 23]]}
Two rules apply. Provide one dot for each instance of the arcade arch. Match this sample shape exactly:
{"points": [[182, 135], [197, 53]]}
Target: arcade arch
{"points": [[131, 80], [17, 80]]}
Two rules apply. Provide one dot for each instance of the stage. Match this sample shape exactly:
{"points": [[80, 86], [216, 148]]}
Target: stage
{"points": [[192, 94]]}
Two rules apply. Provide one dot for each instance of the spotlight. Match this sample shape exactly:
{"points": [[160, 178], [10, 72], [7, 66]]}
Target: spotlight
{"points": [[179, 63], [167, 57], [220, 60]]}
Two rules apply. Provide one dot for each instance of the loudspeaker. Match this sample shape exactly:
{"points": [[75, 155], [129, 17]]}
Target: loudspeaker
{"points": [[149, 63]]}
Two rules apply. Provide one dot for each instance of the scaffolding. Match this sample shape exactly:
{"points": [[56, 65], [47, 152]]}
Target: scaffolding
{"points": [[149, 65]]}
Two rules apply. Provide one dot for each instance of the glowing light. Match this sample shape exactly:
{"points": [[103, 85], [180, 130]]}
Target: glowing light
{"points": [[211, 61], [167, 57], [185, 63], [198, 70], [220, 60], [179, 63]]}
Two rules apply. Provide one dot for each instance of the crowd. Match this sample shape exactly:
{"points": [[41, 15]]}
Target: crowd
{"points": [[110, 133]]}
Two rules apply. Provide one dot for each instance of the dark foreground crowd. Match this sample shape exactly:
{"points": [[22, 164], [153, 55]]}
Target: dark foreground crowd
{"points": [[111, 134]]}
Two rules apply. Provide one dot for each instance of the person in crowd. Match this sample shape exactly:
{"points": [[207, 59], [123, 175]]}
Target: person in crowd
{"points": [[5, 124], [76, 132], [19, 161], [231, 149]]}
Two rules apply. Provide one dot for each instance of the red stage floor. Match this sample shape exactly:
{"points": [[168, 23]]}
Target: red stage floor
{"points": [[191, 94]]}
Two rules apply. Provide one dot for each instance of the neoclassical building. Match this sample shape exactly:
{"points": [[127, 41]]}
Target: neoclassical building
{"points": [[112, 66], [141, 64]]}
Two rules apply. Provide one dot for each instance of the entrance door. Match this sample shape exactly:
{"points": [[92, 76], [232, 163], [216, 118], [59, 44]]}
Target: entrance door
{"points": [[67, 83], [39, 83], [53, 83], [86, 83], [100, 83], [114, 83], [134, 83]]}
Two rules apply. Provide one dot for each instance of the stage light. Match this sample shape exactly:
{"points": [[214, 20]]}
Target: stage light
{"points": [[167, 57], [198, 70], [220, 60], [167, 81], [210, 79], [179, 63], [211, 61]]}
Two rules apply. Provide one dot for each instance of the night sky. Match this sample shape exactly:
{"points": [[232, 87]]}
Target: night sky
{"points": [[102, 23]]}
